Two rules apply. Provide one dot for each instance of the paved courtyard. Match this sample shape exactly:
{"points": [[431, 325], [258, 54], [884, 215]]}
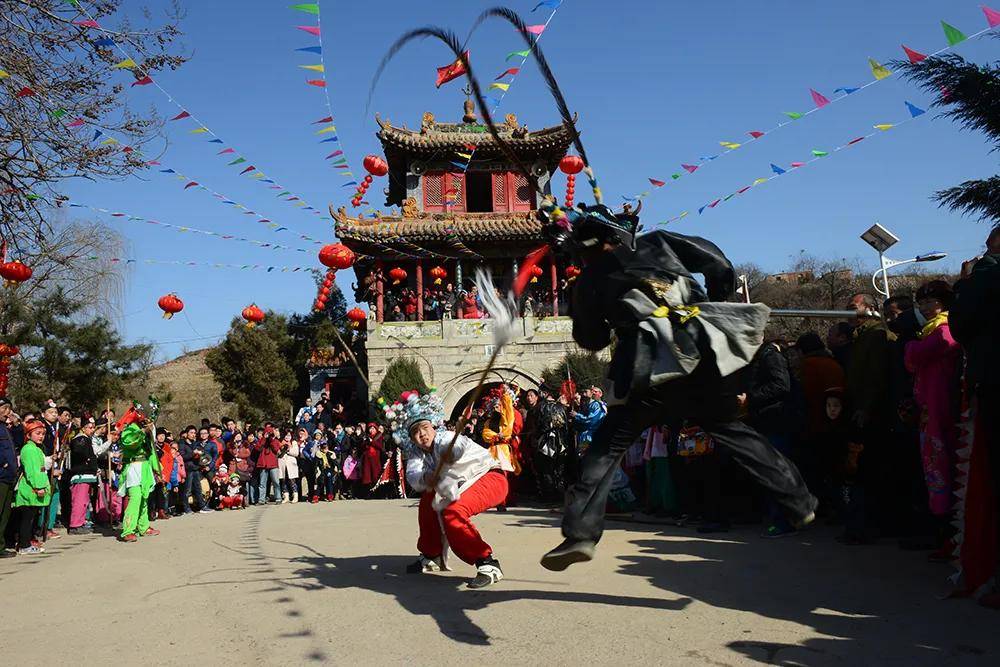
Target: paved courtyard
{"points": [[294, 584]]}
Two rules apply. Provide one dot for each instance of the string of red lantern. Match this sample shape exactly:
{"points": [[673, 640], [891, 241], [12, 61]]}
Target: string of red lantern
{"points": [[571, 165], [334, 256], [375, 166], [6, 352], [13, 273]]}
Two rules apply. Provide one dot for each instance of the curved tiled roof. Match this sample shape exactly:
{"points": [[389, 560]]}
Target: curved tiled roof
{"points": [[431, 227], [455, 136]]}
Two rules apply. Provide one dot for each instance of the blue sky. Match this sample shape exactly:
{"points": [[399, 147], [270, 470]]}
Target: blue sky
{"points": [[656, 84]]}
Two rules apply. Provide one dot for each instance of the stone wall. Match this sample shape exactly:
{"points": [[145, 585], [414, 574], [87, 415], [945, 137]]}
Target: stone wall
{"points": [[453, 353]]}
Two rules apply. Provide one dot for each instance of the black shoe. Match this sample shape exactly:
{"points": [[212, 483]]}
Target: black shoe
{"points": [[567, 553], [82, 530], [488, 572], [501, 508], [8, 553]]}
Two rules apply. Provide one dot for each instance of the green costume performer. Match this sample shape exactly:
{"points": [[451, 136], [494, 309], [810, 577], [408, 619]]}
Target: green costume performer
{"points": [[139, 463]]}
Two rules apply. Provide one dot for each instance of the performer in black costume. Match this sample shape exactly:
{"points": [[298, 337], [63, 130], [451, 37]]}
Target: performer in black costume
{"points": [[677, 344], [677, 348]]}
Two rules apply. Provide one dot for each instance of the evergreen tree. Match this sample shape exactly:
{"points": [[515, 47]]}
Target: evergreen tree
{"points": [[585, 369], [970, 95], [64, 356], [252, 366], [402, 374]]}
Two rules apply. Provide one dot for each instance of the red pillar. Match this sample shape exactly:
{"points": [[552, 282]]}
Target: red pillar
{"points": [[379, 291], [555, 287], [420, 290]]}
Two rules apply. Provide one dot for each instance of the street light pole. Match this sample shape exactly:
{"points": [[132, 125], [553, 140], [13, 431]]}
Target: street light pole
{"points": [[881, 239]]}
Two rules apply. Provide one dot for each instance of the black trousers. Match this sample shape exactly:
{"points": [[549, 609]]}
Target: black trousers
{"points": [[307, 469], [7, 493], [702, 398], [21, 526]]}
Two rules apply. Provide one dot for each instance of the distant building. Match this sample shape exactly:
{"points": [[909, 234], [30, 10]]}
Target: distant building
{"points": [[450, 220], [794, 277]]}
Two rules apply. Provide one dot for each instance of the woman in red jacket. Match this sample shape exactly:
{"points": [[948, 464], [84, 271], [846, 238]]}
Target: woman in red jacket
{"points": [[371, 459], [266, 451]]}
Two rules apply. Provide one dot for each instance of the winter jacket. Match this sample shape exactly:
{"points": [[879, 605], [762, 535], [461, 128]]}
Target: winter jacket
{"points": [[974, 318], [33, 463], [8, 459], [266, 450], [82, 456], [186, 450], [868, 373], [288, 465], [468, 462], [820, 373], [371, 460], [768, 388]]}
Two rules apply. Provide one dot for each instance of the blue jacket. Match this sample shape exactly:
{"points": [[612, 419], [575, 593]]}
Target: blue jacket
{"points": [[8, 461], [586, 422]]}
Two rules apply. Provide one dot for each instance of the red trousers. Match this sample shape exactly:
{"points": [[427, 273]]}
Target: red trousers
{"points": [[229, 502], [489, 491]]}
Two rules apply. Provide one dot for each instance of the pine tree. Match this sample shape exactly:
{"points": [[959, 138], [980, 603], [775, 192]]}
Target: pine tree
{"points": [[970, 95], [402, 374], [252, 366]]}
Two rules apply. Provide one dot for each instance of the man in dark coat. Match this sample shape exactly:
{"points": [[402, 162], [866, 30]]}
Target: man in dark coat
{"points": [[8, 472], [677, 352]]}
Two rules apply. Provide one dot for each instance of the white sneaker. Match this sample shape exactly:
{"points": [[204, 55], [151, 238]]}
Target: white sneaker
{"points": [[284, 498], [295, 497], [487, 574], [424, 565]]}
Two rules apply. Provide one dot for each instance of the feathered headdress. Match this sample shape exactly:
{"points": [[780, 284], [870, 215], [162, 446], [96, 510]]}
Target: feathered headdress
{"points": [[410, 409]]}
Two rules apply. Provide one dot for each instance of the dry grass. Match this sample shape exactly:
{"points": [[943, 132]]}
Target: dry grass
{"points": [[193, 392]]}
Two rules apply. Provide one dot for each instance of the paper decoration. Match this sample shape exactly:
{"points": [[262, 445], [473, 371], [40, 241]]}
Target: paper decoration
{"points": [[523, 54], [914, 56], [884, 126], [534, 29], [992, 16], [89, 23], [311, 29], [181, 115], [818, 153], [914, 111], [104, 42], [846, 91], [657, 183], [499, 86], [199, 130], [144, 81], [25, 92], [690, 168], [191, 185], [307, 8], [776, 169], [820, 100], [953, 34], [554, 4], [794, 115], [730, 145], [319, 83], [318, 50], [314, 68], [796, 165], [755, 134], [760, 180], [510, 72], [4, 75], [878, 71], [128, 63]]}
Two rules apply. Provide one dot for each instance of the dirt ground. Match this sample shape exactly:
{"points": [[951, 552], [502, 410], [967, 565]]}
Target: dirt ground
{"points": [[295, 584]]}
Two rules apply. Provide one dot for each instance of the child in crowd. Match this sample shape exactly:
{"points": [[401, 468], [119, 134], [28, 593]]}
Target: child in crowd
{"points": [[327, 467], [231, 497], [32, 492], [352, 472], [172, 467]]}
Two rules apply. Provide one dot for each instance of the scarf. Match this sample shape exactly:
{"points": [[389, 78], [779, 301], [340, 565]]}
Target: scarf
{"points": [[933, 324]]}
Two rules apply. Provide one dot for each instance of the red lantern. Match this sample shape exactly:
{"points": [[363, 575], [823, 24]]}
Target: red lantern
{"points": [[572, 272], [170, 305], [571, 165], [8, 350], [14, 273], [253, 315], [438, 273], [536, 273], [336, 256], [375, 165], [356, 316], [398, 275]]}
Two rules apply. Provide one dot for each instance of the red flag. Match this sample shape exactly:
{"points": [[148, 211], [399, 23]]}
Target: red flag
{"points": [[76, 123], [319, 83], [328, 119], [25, 92], [755, 134], [524, 272], [742, 190], [657, 183], [191, 184], [250, 168], [854, 141], [144, 81], [690, 168], [715, 203], [914, 56], [89, 23], [334, 154], [452, 71], [182, 114], [511, 72]]}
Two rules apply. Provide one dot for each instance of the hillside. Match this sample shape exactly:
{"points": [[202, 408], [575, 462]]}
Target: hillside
{"points": [[193, 392]]}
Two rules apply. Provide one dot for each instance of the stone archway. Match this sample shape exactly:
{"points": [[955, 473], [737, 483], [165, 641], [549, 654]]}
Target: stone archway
{"points": [[459, 388]]}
